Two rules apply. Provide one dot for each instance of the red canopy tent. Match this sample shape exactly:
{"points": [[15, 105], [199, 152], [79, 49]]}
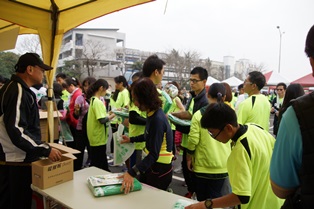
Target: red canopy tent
{"points": [[305, 81]]}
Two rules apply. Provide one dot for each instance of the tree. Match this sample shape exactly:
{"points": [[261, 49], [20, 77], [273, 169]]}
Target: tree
{"points": [[72, 68], [92, 52], [181, 65], [8, 60], [207, 64], [29, 43], [137, 66]]}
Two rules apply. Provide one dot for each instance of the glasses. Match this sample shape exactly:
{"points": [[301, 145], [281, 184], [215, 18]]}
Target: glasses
{"points": [[194, 81], [279, 89], [220, 130]]}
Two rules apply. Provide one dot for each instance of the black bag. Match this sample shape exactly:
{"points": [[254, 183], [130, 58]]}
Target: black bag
{"points": [[293, 201]]}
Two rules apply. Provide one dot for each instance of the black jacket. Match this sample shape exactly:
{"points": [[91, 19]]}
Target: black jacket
{"points": [[304, 109], [200, 101], [20, 137]]}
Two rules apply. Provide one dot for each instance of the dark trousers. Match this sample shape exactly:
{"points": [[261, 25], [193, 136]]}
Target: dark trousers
{"points": [[136, 157], [211, 188], [188, 175], [73, 143], [158, 175], [114, 128], [80, 144], [98, 157], [15, 187]]}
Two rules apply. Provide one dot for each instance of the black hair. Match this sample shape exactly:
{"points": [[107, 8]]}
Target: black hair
{"points": [[3, 79], [217, 91], [72, 81], [61, 75], [202, 72], [228, 92], [151, 64], [222, 113], [282, 84], [309, 43], [146, 94], [121, 79], [57, 90], [257, 78], [89, 80], [137, 75], [293, 91], [94, 87], [240, 86]]}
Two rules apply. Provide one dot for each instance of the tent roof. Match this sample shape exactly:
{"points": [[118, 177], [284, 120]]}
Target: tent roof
{"points": [[306, 80], [233, 81], [273, 78], [211, 80]]}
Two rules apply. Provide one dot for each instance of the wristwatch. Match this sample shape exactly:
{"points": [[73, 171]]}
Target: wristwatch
{"points": [[208, 203]]}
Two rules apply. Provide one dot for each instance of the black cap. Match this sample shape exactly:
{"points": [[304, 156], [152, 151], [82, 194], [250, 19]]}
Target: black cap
{"points": [[32, 59]]}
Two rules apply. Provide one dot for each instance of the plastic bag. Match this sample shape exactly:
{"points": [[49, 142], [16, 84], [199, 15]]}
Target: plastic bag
{"points": [[121, 151]]}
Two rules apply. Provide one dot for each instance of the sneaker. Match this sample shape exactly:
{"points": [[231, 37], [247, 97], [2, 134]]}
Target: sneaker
{"points": [[188, 195]]}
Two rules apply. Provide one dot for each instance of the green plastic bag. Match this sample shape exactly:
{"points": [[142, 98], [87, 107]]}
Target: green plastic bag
{"points": [[102, 186]]}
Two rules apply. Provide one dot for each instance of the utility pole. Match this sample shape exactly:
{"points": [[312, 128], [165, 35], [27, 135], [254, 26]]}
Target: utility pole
{"points": [[280, 36]]}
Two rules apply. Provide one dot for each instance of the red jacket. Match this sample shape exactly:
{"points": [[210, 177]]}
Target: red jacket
{"points": [[71, 120]]}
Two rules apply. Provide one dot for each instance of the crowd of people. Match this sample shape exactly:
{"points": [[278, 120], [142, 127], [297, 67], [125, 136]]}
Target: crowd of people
{"points": [[229, 157]]}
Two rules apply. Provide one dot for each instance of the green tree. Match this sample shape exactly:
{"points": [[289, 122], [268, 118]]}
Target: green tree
{"points": [[8, 61], [137, 66], [72, 68]]}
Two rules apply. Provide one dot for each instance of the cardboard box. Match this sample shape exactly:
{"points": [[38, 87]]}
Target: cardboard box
{"points": [[43, 115], [46, 173]]}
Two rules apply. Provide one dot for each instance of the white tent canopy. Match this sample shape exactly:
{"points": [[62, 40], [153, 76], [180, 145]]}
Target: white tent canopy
{"points": [[276, 78], [211, 80], [233, 81]]}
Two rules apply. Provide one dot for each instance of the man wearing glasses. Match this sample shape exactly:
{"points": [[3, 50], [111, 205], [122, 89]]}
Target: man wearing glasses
{"points": [[20, 138], [198, 78], [276, 104], [256, 108], [248, 163]]}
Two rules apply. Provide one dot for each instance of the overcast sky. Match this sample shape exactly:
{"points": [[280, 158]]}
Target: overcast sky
{"points": [[217, 28]]}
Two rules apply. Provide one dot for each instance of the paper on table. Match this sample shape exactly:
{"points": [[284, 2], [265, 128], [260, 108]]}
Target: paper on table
{"points": [[105, 180], [181, 204]]}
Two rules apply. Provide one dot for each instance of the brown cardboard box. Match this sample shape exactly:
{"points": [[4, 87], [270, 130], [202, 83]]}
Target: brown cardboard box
{"points": [[44, 125], [46, 173]]}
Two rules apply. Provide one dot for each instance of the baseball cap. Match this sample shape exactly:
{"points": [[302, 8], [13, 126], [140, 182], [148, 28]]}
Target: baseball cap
{"points": [[30, 59]]}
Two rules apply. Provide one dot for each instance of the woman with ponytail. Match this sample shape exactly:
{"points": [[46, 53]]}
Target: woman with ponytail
{"points": [[97, 124], [73, 87], [206, 157]]}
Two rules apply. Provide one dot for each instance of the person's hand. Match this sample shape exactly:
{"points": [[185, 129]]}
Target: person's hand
{"points": [[189, 165], [128, 183], [111, 115], [189, 162], [125, 139], [55, 155], [199, 205]]}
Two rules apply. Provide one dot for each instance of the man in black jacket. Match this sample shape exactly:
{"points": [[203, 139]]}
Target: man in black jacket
{"points": [[20, 138], [198, 78]]}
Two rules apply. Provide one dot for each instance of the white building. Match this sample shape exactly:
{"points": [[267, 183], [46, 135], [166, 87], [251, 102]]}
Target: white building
{"points": [[94, 49]]}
